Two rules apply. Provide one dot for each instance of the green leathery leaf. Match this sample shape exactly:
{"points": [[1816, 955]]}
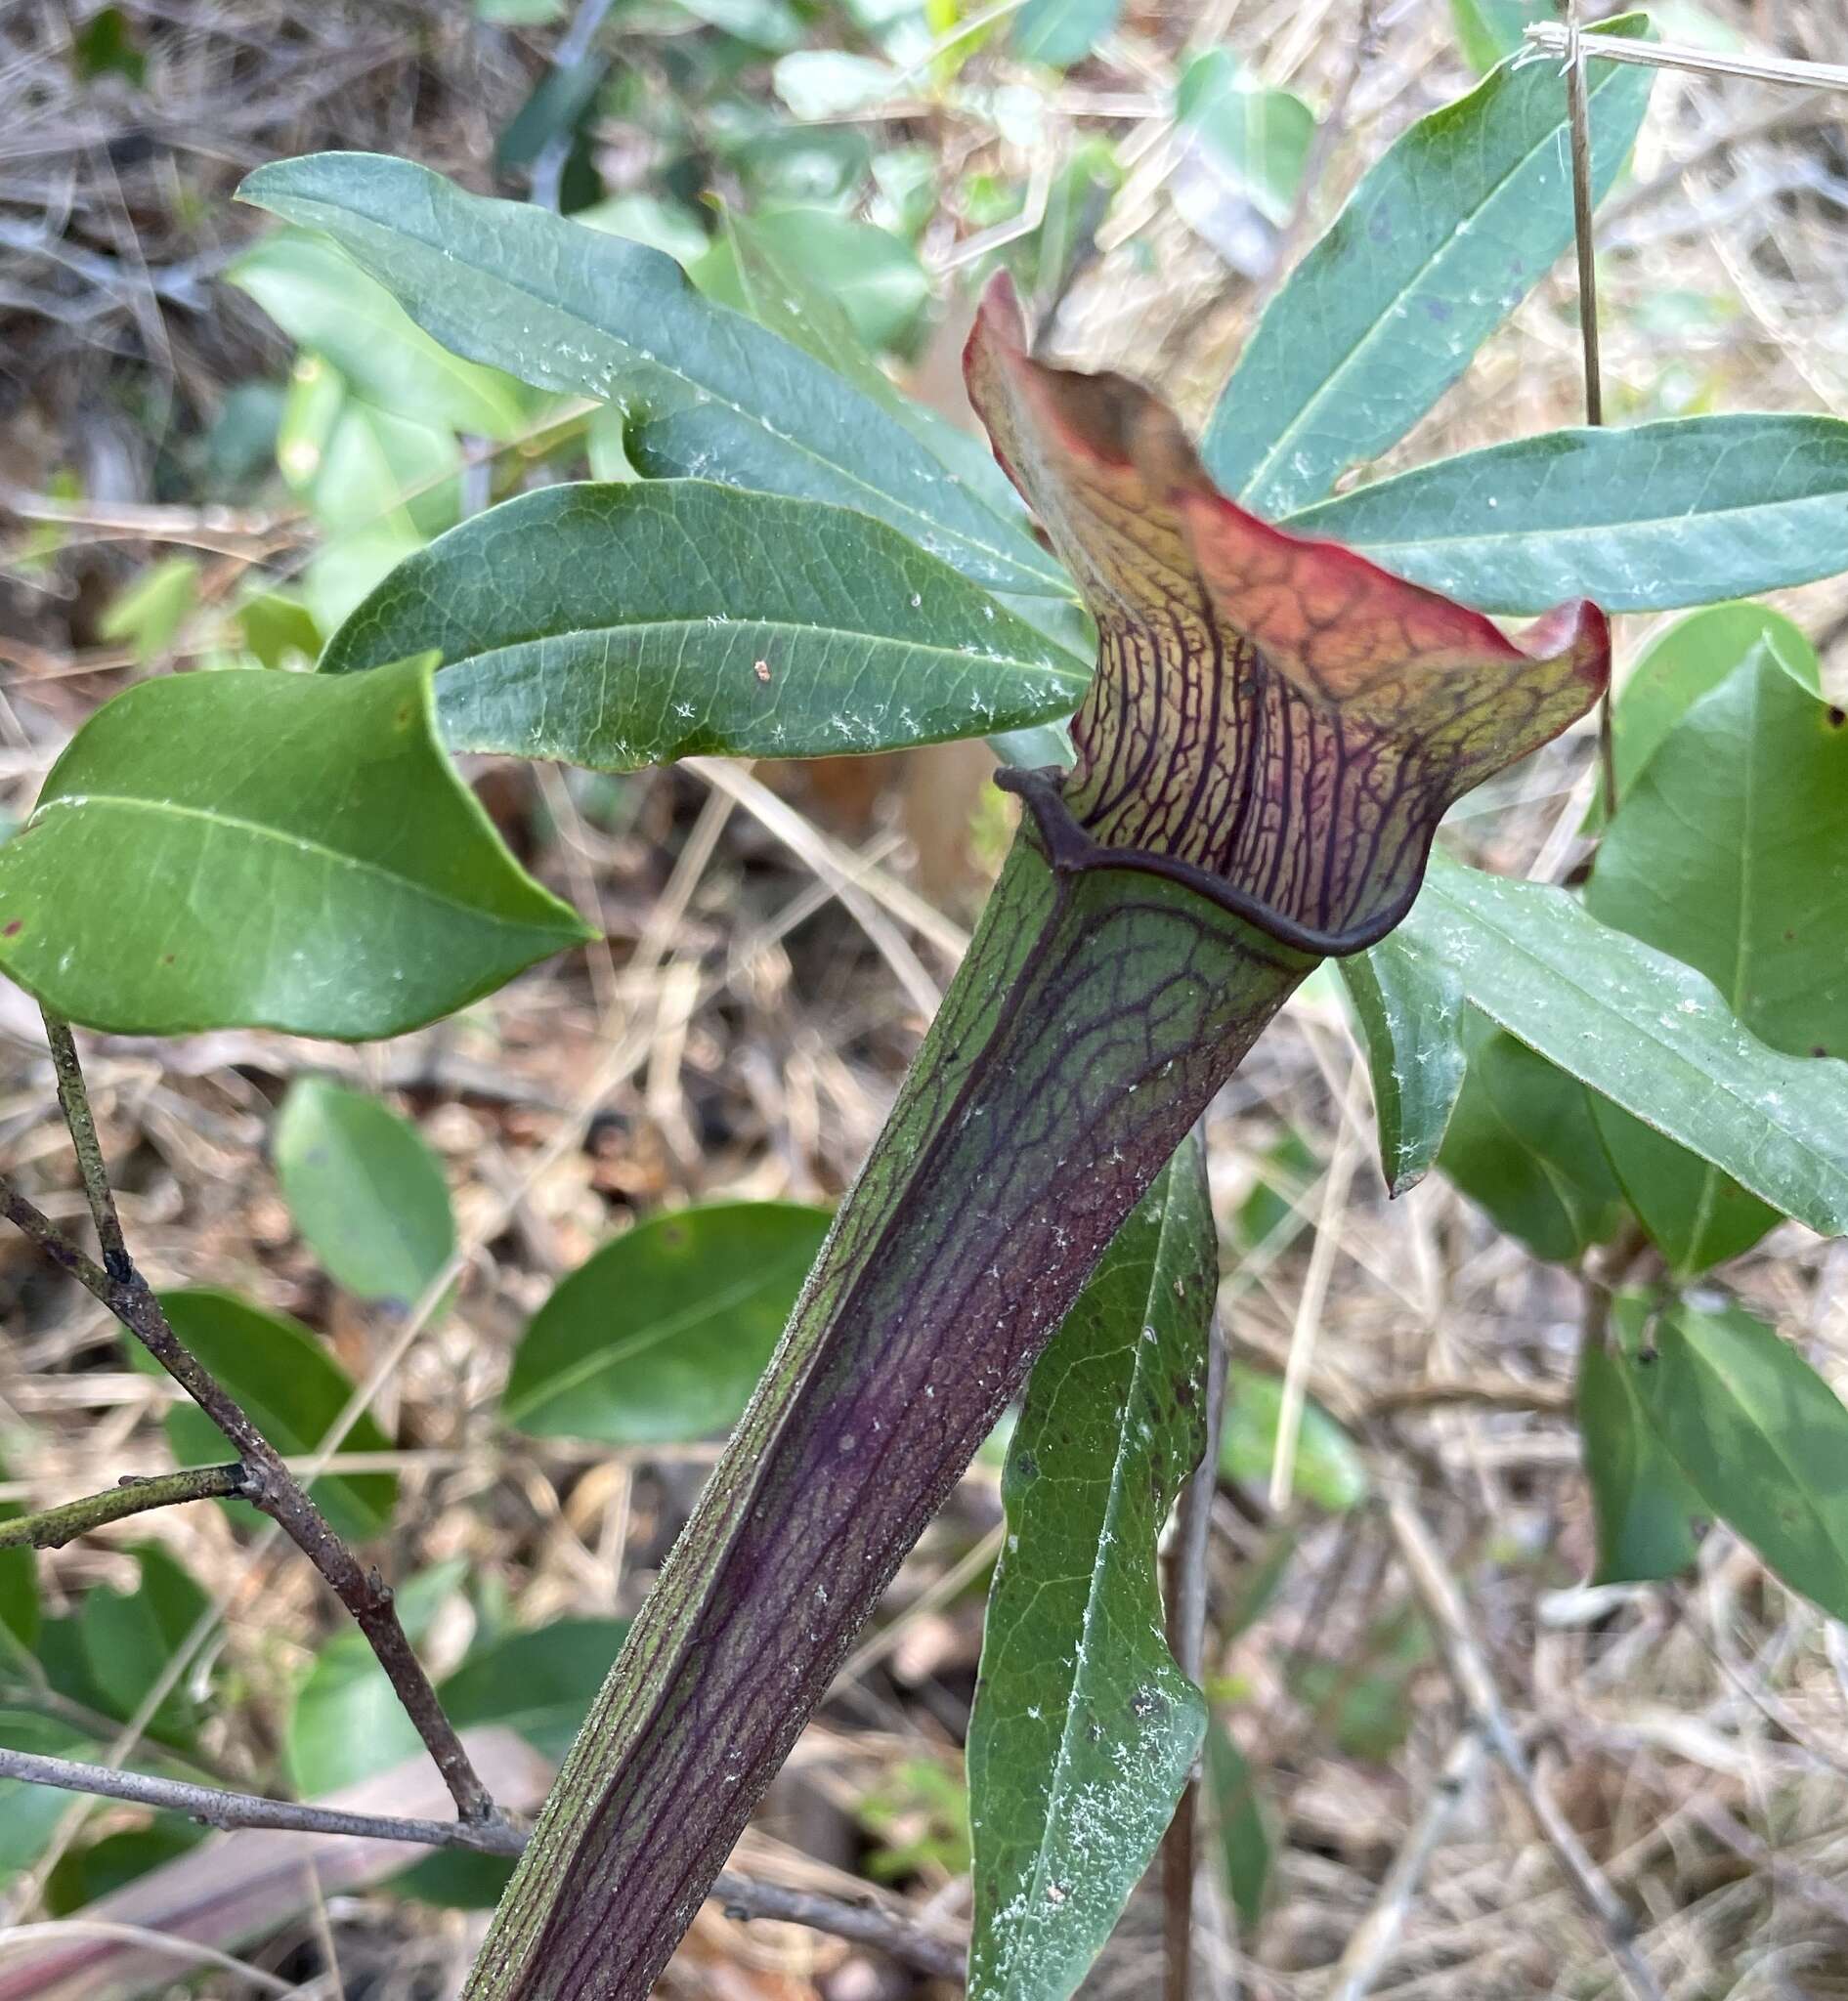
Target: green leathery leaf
{"points": [[1761, 1436], [778, 292], [287, 851], [871, 276], [1688, 661], [29, 1814], [621, 625], [1521, 1143], [323, 301], [1083, 1730], [1246, 1848], [346, 1721], [1445, 235], [1731, 853], [663, 1334], [20, 1611], [1641, 1503], [1262, 136], [1327, 1468], [1645, 1030], [1488, 31], [703, 391], [291, 1388], [364, 1191], [129, 1637], [1062, 32], [1410, 1011], [1646, 519]]}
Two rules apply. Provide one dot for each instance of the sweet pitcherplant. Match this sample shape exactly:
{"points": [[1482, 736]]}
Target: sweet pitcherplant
{"points": [[1274, 731], [1269, 727]]}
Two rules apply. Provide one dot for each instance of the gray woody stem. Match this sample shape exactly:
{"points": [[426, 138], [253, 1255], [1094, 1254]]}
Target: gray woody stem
{"points": [[268, 1484], [869, 1924]]}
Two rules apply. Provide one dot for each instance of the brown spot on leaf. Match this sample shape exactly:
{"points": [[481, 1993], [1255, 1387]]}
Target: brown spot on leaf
{"points": [[1836, 716], [1819, 1049], [13, 929]]}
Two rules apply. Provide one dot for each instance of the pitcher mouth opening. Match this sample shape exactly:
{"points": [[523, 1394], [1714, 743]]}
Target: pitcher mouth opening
{"points": [[1072, 850]]}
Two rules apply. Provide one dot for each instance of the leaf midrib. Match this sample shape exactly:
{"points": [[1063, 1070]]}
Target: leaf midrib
{"points": [[280, 837], [693, 622]]}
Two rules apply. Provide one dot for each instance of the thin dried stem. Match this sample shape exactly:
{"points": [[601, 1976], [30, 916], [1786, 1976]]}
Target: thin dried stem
{"points": [[1553, 40], [269, 1485], [893, 1931], [51, 1529], [73, 1100], [1371, 1946], [1187, 1637], [1442, 1599]]}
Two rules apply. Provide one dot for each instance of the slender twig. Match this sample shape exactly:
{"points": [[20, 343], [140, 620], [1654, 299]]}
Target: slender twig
{"points": [[269, 1485], [1557, 40], [1578, 120], [1441, 1599], [869, 1924], [1370, 1944], [73, 1100], [53, 1527], [218, 1807], [1186, 1638]]}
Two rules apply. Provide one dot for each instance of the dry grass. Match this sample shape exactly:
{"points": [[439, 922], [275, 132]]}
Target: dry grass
{"points": [[745, 1029]]}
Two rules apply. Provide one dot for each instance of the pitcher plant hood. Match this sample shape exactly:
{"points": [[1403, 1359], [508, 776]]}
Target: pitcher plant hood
{"points": [[1275, 719]]}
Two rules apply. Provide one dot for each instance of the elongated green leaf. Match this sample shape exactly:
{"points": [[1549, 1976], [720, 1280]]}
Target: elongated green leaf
{"points": [[622, 625], [1327, 1468], [1084, 1729], [285, 851], [1245, 1844], [871, 276], [1689, 660], [29, 1813], [319, 297], [1730, 852], [346, 1721], [1761, 1436], [1522, 1142], [703, 391], [1679, 512], [663, 1334], [1062, 32], [538, 1682], [292, 1388], [1646, 1032], [1640, 1500], [1410, 1010], [364, 1191], [18, 1588], [1444, 238], [1487, 32], [1260, 137], [778, 292], [129, 1637]]}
